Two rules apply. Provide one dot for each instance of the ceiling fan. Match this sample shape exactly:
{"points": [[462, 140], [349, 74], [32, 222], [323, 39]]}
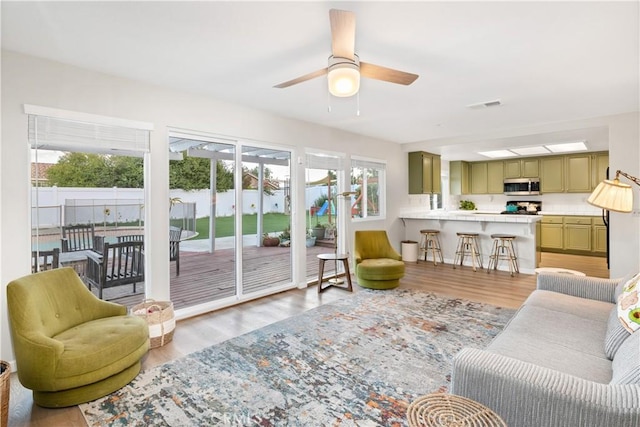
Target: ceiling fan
{"points": [[345, 69]]}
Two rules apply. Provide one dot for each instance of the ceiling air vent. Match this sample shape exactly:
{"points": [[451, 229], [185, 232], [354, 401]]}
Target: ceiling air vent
{"points": [[479, 105]]}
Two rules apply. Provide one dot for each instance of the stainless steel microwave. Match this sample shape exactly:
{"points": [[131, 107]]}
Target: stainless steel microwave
{"points": [[521, 186]]}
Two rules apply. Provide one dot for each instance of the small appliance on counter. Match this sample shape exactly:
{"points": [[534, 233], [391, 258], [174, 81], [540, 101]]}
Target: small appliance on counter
{"points": [[522, 207]]}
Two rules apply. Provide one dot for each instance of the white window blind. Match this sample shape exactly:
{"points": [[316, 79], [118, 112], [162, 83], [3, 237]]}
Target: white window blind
{"points": [[324, 161], [53, 133], [367, 164]]}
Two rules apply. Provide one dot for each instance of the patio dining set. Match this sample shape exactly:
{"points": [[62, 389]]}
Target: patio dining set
{"points": [[101, 263]]}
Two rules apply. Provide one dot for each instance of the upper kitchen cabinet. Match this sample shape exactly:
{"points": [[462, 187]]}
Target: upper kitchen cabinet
{"points": [[552, 175], [424, 173], [495, 177], [578, 173], [479, 178], [521, 168], [599, 165], [487, 177], [458, 178]]}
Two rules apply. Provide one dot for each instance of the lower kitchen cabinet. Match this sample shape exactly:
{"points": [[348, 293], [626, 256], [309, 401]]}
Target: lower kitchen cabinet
{"points": [[584, 235], [551, 236], [577, 237], [599, 236]]}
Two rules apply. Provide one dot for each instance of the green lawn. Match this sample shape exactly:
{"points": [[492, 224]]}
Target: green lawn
{"points": [[225, 225]]}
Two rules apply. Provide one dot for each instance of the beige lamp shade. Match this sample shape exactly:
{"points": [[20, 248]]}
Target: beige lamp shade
{"points": [[613, 196]]}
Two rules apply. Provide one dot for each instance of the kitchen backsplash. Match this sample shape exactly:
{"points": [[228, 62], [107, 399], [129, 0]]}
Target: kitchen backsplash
{"points": [[562, 203]]}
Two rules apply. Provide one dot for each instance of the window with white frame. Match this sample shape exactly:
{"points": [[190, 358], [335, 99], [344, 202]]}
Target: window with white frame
{"points": [[368, 181]]}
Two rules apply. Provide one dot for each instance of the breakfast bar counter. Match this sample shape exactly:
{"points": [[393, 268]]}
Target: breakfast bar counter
{"points": [[524, 227]]}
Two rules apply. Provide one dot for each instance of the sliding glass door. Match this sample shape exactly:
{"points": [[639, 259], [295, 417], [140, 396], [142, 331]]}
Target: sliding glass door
{"points": [[237, 196]]}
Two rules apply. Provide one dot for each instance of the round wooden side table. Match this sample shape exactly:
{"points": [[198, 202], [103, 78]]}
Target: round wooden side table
{"points": [[449, 410]]}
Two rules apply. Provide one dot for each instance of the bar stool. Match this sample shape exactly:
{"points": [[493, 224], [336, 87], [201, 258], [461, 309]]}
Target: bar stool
{"points": [[468, 246], [503, 249], [430, 243]]}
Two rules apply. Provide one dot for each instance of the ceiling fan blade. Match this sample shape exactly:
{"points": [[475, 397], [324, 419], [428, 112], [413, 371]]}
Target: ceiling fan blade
{"points": [[386, 74], [343, 33], [303, 78]]}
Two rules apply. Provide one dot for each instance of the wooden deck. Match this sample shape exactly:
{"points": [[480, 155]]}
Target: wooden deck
{"points": [[209, 277]]}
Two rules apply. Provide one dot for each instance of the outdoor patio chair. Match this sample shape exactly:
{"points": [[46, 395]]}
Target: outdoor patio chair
{"points": [[81, 237], [119, 264], [45, 260], [174, 246], [131, 238]]}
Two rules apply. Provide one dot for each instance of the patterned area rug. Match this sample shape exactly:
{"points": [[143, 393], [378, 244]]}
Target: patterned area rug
{"points": [[359, 361]]}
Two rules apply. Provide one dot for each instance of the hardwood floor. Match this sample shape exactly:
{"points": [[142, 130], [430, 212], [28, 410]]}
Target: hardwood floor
{"points": [[196, 333]]}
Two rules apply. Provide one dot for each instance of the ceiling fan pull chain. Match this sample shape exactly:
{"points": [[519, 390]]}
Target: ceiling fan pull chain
{"points": [[358, 104], [328, 102]]}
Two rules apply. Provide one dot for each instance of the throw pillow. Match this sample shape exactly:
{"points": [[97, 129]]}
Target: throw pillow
{"points": [[629, 305], [616, 334], [621, 285]]}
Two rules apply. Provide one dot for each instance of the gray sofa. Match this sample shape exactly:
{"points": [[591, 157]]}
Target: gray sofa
{"points": [[563, 360]]}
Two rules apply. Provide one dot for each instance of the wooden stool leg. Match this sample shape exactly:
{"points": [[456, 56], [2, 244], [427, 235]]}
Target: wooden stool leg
{"points": [[320, 272], [348, 274]]}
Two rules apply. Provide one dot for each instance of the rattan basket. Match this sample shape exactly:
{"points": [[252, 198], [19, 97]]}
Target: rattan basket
{"points": [[160, 318], [447, 410], [5, 388]]}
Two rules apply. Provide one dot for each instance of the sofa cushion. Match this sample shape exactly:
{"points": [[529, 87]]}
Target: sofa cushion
{"points": [[580, 307], [629, 305], [564, 342], [626, 363], [616, 334]]}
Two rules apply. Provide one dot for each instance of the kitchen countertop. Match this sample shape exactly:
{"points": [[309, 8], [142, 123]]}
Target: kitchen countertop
{"points": [[474, 216]]}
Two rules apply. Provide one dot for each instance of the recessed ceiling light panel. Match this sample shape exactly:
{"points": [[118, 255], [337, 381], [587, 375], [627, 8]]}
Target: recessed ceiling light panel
{"points": [[567, 147], [497, 154], [529, 151]]}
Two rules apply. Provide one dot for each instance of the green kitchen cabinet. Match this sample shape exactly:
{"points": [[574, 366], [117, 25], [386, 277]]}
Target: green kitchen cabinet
{"points": [[552, 234], [458, 178], [424, 173], [599, 234], [495, 177], [599, 165], [577, 233], [522, 168], [479, 178], [578, 173], [552, 174]]}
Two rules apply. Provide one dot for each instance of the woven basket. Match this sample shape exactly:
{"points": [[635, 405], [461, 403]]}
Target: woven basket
{"points": [[447, 410], [5, 387], [160, 318]]}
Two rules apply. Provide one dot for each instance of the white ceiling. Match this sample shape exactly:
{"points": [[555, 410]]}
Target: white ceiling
{"points": [[546, 61]]}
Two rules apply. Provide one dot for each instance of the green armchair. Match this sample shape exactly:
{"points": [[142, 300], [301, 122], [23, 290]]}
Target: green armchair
{"points": [[70, 346], [378, 264]]}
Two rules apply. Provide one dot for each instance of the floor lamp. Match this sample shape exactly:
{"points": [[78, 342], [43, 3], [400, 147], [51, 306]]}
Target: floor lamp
{"points": [[614, 195]]}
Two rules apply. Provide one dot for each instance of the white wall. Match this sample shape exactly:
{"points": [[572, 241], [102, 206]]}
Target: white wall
{"points": [[29, 80]]}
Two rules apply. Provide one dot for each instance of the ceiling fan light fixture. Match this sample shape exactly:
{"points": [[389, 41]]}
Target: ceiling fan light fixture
{"points": [[344, 79]]}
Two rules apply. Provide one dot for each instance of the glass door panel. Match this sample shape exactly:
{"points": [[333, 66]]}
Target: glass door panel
{"points": [[266, 220], [321, 201], [202, 214]]}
